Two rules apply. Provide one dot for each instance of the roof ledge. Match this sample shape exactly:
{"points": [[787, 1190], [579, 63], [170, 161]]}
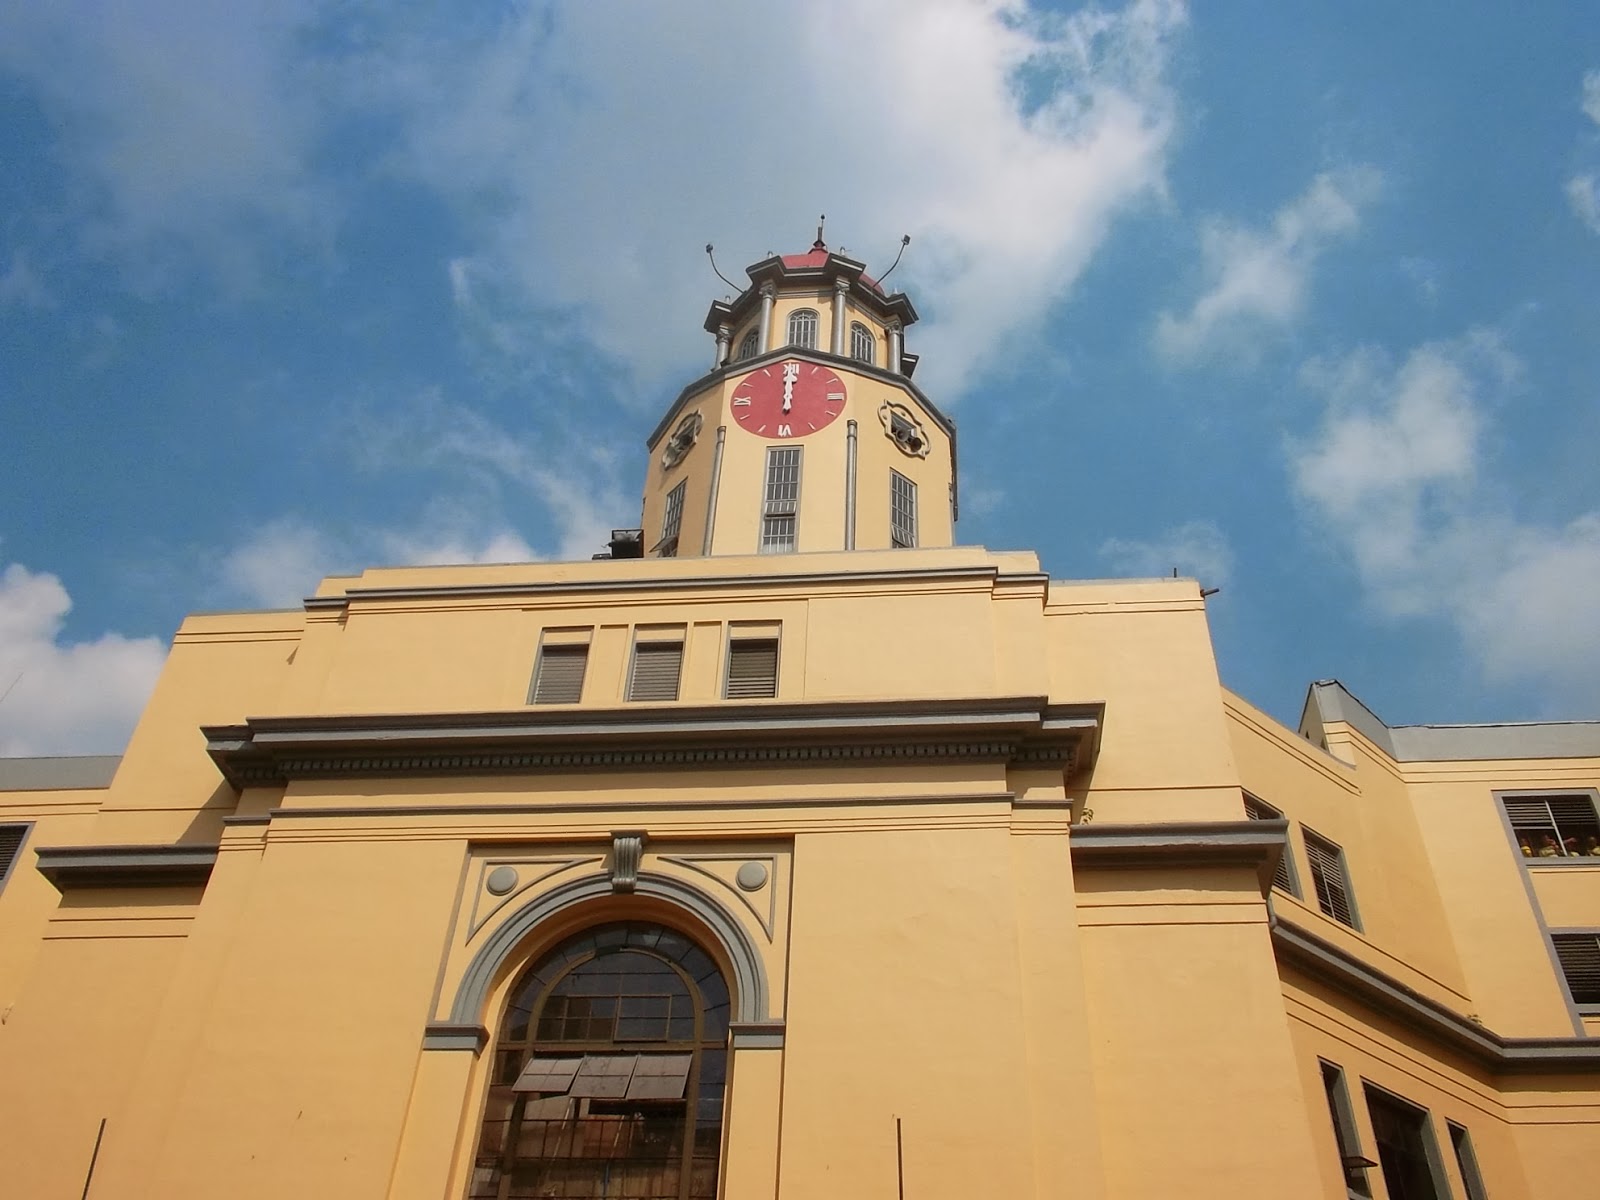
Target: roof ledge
{"points": [[71, 867]]}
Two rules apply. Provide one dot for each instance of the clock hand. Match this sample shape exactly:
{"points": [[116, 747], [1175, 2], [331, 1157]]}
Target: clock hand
{"points": [[791, 372]]}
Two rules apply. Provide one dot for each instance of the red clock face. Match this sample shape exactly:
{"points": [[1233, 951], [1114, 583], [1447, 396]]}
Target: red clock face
{"points": [[788, 399]]}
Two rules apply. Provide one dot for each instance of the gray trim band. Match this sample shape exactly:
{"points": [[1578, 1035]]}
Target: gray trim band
{"points": [[808, 579], [749, 974], [447, 1035], [756, 1035], [126, 866], [1021, 729], [1255, 844], [1322, 960]]}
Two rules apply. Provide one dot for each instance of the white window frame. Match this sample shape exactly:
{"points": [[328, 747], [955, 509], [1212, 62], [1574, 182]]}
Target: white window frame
{"points": [[749, 345], [902, 511], [672, 521], [778, 510], [803, 327], [863, 344]]}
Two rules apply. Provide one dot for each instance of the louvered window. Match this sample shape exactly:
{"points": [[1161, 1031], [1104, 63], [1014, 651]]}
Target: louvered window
{"points": [[559, 676], [752, 669], [780, 506], [1331, 881], [11, 839], [750, 345], [656, 666], [803, 328], [672, 522], [1554, 826], [1283, 877], [863, 346], [1580, 963], [902, 511]]}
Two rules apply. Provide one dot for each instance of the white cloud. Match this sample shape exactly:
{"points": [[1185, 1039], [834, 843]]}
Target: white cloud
{"points": [[193, 125], [284, 561], [21, 284], [1197, 549], [1397, 475], [59, 697], [1583, 194], [594, 157], [1591, 96], [1257, 279]]}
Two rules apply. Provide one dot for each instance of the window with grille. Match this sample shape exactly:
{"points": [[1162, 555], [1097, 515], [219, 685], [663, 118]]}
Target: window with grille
{"points": [[1407, 1153], [11, 839], [608, 1072], [1331, 880], [749, 345], [558, 679], [803, 328], [1554, 826], [863, 346], [752, 669], [1579, 954], [655, 671], [672, 522], [1467, 1161], [1283, 877], [902, 510], [780, 506], [1345, 1138]]}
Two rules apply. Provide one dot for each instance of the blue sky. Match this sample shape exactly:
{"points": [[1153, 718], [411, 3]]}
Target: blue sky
{"points": [[1298, 299]]}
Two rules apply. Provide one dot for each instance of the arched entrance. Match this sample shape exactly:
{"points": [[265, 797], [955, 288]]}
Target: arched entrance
{"points": [[608, 1072]]}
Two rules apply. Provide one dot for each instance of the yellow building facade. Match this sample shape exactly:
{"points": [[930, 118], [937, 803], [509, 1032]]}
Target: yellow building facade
{"points": [[791, 851]]}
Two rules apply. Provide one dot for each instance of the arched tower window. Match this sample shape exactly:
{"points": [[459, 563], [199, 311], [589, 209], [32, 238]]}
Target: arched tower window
{"points": [[803, 328], [863, 346], [609, 1072], [748, 345]]}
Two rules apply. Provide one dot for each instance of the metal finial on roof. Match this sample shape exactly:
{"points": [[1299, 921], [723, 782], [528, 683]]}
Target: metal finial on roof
{"points": [[905, 240], [720, 275], [819, 244]]}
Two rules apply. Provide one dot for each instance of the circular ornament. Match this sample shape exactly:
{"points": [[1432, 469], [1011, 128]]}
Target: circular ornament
{"points": [[501, 880], [751, 876]]}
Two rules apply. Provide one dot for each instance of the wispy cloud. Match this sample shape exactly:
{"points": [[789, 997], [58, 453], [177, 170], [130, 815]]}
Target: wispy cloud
{"points": [[1195, 548], [61, 697], [1397, 475], [1257, 279], [1583, 189]]}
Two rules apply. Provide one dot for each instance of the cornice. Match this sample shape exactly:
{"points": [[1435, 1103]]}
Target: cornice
{"points": [[805, 580], [773, 270], [1023, 730], [1339, 969], [126, 866], [1255, 844]]}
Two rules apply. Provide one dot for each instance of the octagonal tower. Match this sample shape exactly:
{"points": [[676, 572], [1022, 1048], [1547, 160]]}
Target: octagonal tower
{"points": [[808, 433]]}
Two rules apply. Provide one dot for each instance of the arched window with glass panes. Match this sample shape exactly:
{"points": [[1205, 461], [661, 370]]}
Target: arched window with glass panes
{"points": [[609, 1071], [803, 328], [863, 346], [749, 345]]}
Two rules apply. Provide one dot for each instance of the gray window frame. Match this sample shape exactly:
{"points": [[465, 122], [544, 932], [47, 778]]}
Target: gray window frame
{"points": [[1314, 841], [1574, 935], [672, 521], [561, 650], [1286, 878], [1429, 1140], [744, 642], [8, 867], [1346, 1133], [1503, 800], [1466, 1161], [749, 345]]}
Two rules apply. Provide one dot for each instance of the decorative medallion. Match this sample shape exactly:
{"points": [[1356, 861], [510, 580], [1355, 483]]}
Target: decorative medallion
{"points": [[901, 427], [501, 880], [682, 440], [752, 876], [788, 399]]}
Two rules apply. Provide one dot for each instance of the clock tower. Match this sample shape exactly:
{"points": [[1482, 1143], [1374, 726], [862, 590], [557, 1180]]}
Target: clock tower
{"points": [[808, 433]]}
